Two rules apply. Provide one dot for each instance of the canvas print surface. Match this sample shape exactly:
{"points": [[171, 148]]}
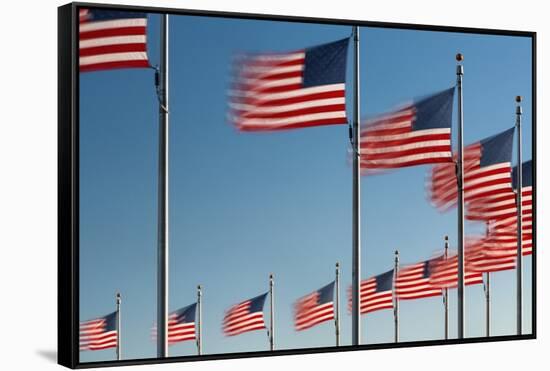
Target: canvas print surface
{"points": [[267, 121]]}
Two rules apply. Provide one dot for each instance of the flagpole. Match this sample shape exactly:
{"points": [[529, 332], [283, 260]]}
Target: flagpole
{"points": [[162, 290], [487, 304], [337, 305], [460, 201], [356, 220], [118, 337], [487, 289], [446, 292], [199, 320], [271, 314], [395, 299], [519, 255]]}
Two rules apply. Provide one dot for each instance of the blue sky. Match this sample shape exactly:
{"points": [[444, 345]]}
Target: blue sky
{"points": [[243, 205]]}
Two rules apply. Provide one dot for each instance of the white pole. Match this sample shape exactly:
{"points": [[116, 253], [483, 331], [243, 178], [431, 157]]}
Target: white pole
{"points": [[487, 304], [460, 201], [162, 291], [446, 292], [337, 305], [199, 320], [356, 202], [395, 298], [272, 314], [118, 326], [519, 255]]}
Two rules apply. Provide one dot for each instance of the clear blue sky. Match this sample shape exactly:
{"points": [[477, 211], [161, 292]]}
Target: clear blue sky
{"points": [[243, 205]]}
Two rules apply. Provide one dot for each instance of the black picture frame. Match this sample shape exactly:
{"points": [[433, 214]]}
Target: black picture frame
{"points": [[68, 184]]}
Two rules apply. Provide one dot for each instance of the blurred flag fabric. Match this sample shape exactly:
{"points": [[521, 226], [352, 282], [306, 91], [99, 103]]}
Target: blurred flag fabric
{"points": [[508, 226], [278, 91], [487, 172], [245, 316], [181, 325], [419, 133], [110, 39], [500, 212], [99, 333], [505, 233], [414, 281], [376, 293], [314, 308], [503, 206], [445, 273], [489, 254]]}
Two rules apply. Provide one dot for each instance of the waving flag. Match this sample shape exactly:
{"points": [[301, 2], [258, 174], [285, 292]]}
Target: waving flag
{"points": [[503, 206], [413, 281], [111, 39], [419, 133], [99, 333], [290, 90], [245, 316], [376, 293], [526, 194], [501, 213], [489, 254], [181, 325], [505, 232], [445, 273], [487, 172], [500, 206], [314, 308]]}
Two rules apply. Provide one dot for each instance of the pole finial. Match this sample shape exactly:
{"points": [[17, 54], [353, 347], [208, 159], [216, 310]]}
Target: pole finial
{"points": [[459, 57], [199, 287], [337, 264], [446, 238], [518, 98]]}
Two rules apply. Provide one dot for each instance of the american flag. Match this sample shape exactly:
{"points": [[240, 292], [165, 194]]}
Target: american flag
{"points": [[501, 214], [445, 273], [503, 206], [500, 206], [290, 90], [526, 202], [111, 39], [314, 308], [487, 172], [245, 316], [413, 281], [181, 325], [376, 293], [489, 254], [505, 232], [99, 333], [419, 133]]}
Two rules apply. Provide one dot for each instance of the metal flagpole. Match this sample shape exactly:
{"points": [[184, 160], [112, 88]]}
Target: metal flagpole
{"points": [[519, 255], [118, 337], [395, 299], [199, 320], [487, 288], [162, 290], [337, 305], [446, 292], [460, 201], [356, 220], [271, 314]]}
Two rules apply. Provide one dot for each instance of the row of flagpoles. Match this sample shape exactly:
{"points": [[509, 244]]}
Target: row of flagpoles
{"points": [[302, 89], [380, 292]]}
